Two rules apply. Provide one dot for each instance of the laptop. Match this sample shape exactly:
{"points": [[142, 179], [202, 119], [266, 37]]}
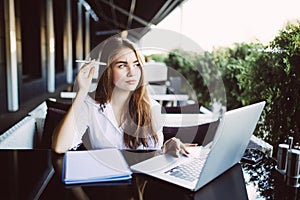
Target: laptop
{"points": [[210, 161]]}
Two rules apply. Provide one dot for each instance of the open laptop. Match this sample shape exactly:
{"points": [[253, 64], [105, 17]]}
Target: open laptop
{"points": [[226, 150]]}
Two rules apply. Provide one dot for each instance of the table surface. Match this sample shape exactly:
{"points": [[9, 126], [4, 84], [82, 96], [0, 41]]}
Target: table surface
{"points": [[182, 120], [160, 97], [36, 174]]}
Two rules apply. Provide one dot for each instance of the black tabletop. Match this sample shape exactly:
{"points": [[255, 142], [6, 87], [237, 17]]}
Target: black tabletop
{"points": [[36, 174], [24, 173]]}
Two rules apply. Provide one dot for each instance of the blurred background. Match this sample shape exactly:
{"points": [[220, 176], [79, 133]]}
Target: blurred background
{"points": [[254, 45]]}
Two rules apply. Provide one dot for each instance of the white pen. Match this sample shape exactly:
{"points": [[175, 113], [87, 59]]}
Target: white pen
{"points": [[88, 61]]}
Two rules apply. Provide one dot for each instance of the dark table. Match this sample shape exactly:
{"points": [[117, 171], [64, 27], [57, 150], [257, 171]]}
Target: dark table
{"points": [[36, 174]]}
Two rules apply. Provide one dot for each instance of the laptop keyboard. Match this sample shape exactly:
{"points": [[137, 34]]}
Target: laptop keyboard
{"points": [[191, 169]]}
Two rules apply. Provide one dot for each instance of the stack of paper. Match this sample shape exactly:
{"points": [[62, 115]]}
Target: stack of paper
{"points": [[95, 166]]}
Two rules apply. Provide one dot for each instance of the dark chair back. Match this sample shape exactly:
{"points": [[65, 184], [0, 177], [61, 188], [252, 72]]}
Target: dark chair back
{"points": [[184, 109], [200, 134]]}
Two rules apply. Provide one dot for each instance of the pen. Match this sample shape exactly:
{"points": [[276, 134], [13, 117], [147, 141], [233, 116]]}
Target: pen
{"points": [[87, 61]]}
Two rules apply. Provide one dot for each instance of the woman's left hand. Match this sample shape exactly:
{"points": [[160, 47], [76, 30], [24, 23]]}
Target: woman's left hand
{"points": [[174, 147]]}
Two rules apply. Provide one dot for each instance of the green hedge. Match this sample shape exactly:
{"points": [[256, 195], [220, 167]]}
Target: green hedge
{"points": [[252, 72]]}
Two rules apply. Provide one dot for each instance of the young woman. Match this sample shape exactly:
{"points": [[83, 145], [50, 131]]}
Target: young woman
{"points": [[121, 114]]}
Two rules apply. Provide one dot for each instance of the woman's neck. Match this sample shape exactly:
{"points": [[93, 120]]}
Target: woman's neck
{"points": [[119, 97], [119, 101]]}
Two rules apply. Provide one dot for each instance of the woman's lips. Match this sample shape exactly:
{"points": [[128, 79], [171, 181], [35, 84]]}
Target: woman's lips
{"points": [[131, 82]]}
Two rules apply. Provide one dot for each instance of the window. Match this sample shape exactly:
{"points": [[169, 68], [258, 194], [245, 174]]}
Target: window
{"points": [[30, 19]]}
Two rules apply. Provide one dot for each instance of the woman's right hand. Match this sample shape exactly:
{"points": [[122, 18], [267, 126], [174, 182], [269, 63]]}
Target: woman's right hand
{"points": [[174, 147], [84, 77], [62, 136]]}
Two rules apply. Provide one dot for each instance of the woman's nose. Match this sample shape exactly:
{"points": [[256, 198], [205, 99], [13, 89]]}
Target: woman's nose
{"points": [[131, 70]]}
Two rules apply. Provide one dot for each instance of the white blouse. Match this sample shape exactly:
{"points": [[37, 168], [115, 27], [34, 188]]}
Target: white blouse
{"points": [[98, 129]]}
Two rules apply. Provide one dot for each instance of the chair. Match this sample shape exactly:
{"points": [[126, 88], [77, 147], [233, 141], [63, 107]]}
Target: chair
{"points": [[55, 113], [186, 109], [20, 136], [156, 74], [200, 134]]}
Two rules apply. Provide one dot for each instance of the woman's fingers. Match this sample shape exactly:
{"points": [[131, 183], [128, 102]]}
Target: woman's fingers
{"points": [[86, 68], [167, 146], [171, 144], [175, 147], [91, 72], [183, 149], [85, 76]]}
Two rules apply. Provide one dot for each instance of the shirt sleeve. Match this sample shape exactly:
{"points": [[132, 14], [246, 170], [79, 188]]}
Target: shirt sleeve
{"points": [[82, 123]]}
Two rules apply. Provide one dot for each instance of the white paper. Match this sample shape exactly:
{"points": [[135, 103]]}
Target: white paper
{"points": [[95, 166]]}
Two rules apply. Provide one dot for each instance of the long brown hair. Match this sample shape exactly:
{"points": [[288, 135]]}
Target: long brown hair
{"points": [[138, 129]]}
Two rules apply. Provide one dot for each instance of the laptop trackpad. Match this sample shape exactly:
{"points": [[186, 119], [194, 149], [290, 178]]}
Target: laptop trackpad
{"points": [[155, 164]]}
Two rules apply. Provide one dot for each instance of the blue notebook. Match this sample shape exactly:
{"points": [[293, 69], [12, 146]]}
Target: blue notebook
{"points": [[105, 165]]}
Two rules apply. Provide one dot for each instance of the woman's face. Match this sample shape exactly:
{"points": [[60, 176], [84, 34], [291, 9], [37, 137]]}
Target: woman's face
{"points": [[126, 70]]}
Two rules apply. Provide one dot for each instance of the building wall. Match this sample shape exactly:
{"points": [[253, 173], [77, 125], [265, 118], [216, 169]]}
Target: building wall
{"points": [[32, 57], [3, 100]]}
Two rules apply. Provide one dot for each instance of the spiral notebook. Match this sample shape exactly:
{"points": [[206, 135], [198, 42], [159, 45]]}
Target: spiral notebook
{"points": [[105, 165]]}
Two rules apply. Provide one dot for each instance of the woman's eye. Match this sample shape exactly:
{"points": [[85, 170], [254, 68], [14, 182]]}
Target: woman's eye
{"points": [[122, 66]]}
